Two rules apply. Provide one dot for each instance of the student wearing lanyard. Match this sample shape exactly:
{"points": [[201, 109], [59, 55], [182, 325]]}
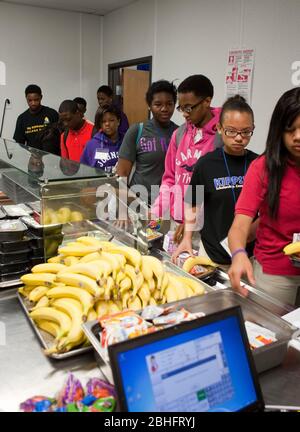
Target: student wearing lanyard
{"points": [[102, 151], [271, 188], [222, 173]]}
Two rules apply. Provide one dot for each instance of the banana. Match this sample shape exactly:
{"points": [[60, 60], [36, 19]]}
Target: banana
{"points": [[48, 268], [37, 279], [152, 302], [90, 241], [101, 308], [43, 302], [152, 285], [132, 255], [120, 276], [92, 316], [135, 281], [114, 261], [77, 249], [108, 288], [68, 301], [48, 326], [94, 256], [70, 260], [157, 268], [198, 260], [156, 295], [79, 294], [37, 293], [139, 282], [113, 308], [52, 314], [86, 269], [80, 281], [58, 259], [178, 286], [135, 304], [292, 248], [25, 290], [164, 284], [144, 294], [125, 285], [146, 270], [196, 286], [163, 300], [125, 298], [171, 294], [75, 334], [104, 267]]}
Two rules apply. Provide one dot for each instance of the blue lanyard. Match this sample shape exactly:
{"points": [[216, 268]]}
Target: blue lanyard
{"points": [[229, 175]]}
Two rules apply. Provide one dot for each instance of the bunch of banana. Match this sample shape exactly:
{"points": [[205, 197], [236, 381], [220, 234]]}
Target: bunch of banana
{"points": [[197, 260], [292, 248], [91, 278]]}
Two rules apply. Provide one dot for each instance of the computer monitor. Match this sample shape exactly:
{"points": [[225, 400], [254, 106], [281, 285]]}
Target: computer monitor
{"points": [[201, 365]]}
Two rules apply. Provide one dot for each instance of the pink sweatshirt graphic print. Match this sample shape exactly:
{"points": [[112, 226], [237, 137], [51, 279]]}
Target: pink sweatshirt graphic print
{"points": [[179, 165]]}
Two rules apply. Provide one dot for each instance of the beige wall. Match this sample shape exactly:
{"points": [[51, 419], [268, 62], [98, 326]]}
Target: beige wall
{"points": [[193, 36], [60, 51]]}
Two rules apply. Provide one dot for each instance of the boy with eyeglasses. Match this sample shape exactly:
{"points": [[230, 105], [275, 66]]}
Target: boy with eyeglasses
{"points": [[190, 142]]}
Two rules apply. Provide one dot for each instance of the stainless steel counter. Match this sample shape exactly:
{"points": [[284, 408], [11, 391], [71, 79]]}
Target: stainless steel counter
{"points": [[25, 371]]}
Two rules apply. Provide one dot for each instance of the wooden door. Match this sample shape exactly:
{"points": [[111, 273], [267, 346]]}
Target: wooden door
{"points": [[135, 86]]}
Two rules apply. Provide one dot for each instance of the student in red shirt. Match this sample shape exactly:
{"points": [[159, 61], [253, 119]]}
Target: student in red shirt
{"points": [[77, 131], [271, 188]]}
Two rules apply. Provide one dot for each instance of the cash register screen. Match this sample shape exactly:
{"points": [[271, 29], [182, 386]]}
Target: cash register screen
{"points": [[203, 365]]}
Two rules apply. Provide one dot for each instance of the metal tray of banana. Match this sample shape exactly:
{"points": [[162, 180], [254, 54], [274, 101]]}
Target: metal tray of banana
{"points": [[44, 336]]}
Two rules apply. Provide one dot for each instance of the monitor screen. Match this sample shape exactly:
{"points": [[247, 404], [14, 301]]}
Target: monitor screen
{"points": [[184, 369]]}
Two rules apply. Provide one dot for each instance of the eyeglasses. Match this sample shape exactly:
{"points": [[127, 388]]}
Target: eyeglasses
{"points": [[234, 133], [189, 109]]}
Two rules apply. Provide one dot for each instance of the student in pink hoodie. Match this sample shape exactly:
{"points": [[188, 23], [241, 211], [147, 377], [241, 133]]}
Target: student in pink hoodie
{"points": [[192, 140]]}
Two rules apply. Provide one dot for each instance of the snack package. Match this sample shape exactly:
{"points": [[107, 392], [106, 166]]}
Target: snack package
{"points": [[72, 391], [176, 317], [37, 404], [259, 336], [124, 319], [120, 327], [99, 388], [99, 396]]}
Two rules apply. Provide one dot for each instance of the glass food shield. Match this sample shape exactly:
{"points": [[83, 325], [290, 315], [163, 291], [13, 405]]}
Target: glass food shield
{"points": [[69, 199]]}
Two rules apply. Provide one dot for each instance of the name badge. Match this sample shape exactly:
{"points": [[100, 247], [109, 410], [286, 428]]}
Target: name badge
{"points": [[225, 245], [296, 237], [101, 154]]}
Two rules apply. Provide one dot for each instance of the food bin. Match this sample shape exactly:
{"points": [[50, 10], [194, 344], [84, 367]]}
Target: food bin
{"points": [[12, 230], [14, 246], [265, 357]]}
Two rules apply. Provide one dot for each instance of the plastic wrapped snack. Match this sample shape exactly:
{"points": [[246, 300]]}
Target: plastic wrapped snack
{"points": [[259, 336], [176, 317], [71, 392], [99, 388]]}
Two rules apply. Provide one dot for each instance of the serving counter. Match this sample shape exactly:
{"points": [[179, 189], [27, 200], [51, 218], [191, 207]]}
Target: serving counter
{"points": [[25, 371]]}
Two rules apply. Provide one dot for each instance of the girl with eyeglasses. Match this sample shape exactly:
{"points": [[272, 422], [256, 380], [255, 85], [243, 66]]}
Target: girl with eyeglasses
{"points": [[271, 188], [221, 173]]}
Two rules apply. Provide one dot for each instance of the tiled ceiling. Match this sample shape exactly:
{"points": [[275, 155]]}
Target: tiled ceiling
{"points": [[97, 7]]}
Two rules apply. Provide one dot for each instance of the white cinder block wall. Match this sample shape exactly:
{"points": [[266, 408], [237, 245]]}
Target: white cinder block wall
{"points": [[193, 36], [60, 51]]}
